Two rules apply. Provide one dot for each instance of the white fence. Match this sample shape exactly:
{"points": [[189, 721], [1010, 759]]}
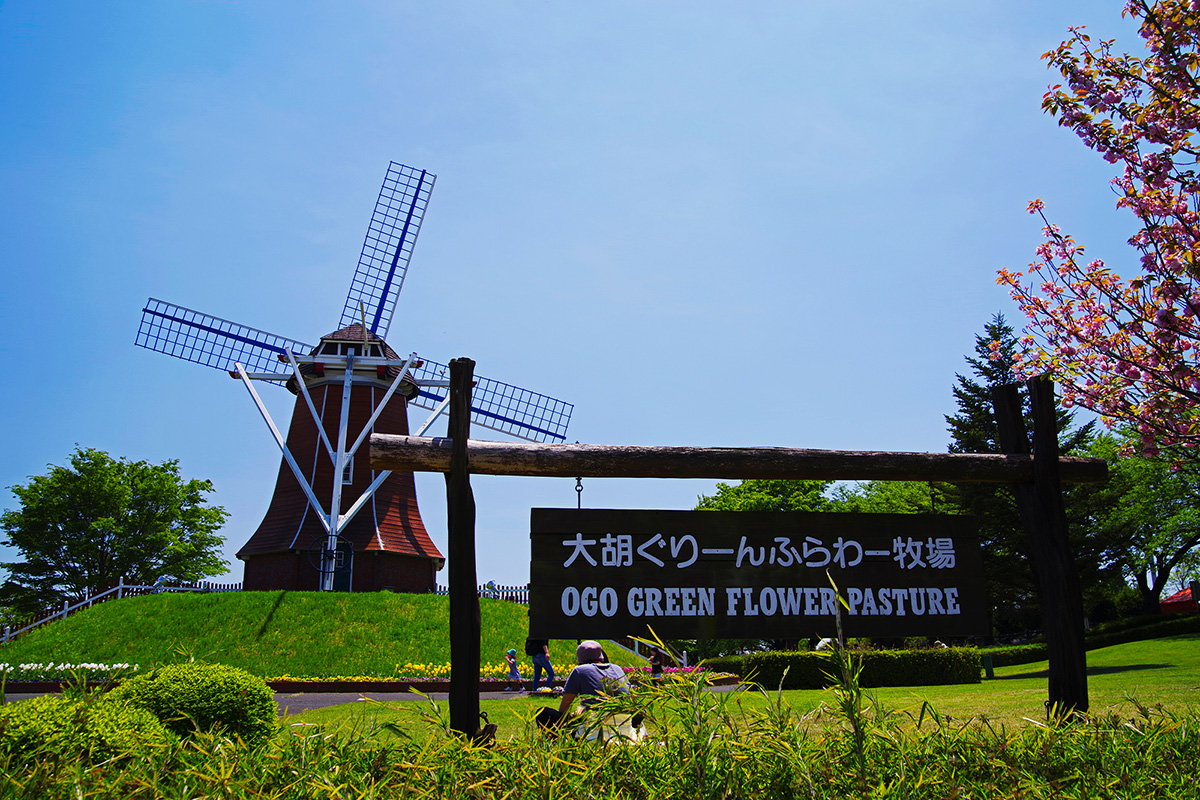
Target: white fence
{"points": [[515, 594], [122, 589]]}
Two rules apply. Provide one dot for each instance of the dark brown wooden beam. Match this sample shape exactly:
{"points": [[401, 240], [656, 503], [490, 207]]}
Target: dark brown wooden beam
{"points": [[465, 624], [1040, 504], [424, 454]]}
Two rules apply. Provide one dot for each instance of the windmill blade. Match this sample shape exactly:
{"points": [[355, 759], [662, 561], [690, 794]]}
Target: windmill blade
{"points": [[211, 341], [388, 247], [500, 406]]}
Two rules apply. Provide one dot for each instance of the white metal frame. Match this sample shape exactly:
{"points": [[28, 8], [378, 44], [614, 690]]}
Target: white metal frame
{"points": [[331, 521]]}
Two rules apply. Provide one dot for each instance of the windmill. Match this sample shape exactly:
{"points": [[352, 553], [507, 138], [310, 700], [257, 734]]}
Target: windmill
{"points": [[329, 507]]}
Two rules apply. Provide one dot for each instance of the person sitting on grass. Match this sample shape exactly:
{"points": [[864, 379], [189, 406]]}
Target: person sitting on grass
{"points": [[591, 680]]}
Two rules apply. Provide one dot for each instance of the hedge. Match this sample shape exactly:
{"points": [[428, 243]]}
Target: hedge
{"points": [[98, 727], [1105, 637], [808, 670], [1174, 626]]}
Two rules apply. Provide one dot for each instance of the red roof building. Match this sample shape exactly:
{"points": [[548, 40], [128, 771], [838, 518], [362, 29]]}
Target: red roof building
{"points": [[1182, 601]]}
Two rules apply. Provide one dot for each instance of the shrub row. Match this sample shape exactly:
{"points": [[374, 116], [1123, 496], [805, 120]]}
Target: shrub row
{"points": [[1107, 637], [144, 712], [1011, 654], [101, 727], [1126, 623], [811, 670], [1174, 625]]}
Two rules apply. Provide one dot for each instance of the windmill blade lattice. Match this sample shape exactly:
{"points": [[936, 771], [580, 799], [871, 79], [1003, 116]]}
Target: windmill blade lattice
{"points": [[211, 341], [388, 247], [501, 406]]}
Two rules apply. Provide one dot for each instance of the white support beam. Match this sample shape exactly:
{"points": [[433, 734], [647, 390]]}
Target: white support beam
{"points": [[312, 408], [339, 466], [437, 412], [287, 455], [261, 376], [367, 494], [366, 431], [362, 361]]}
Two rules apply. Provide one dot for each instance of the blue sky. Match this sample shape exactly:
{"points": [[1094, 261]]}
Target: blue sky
{"points": [[703, 223]]}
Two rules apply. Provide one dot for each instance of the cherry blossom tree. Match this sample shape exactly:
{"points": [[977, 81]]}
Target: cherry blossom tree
{"points": [[1127, 347]]}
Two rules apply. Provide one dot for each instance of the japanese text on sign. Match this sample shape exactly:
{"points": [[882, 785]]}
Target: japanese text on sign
{"points": [[746, 574]]}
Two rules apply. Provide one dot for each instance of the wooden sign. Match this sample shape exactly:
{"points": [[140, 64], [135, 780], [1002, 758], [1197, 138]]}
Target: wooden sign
{"points": [[603, 573]]}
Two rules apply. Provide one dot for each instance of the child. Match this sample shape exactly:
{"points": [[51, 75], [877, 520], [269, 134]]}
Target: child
{"points": [[656, 665], [514, 675]]}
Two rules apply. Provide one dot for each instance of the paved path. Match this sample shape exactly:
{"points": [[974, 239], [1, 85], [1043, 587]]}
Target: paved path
{"points": [[307, 701]]}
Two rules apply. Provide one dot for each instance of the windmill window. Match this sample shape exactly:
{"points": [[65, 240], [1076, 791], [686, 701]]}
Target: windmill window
{"points": [[348, 472]]}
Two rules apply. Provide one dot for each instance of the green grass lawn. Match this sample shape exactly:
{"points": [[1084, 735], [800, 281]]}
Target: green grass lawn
{"points": [[1152, 671], [1157, 671], [303, 634], [307, 633]]}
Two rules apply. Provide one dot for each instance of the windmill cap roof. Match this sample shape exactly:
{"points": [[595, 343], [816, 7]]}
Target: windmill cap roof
{"points": [[355, 333]]}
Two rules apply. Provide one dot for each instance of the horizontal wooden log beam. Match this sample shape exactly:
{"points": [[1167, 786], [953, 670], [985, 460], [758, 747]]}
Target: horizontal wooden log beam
{"points": [[425, 454]]}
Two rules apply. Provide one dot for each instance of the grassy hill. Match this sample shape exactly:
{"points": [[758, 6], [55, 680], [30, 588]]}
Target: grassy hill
{"points": [[276, 633]]}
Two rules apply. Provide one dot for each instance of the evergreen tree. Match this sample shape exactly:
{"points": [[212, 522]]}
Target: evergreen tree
{"points": [[1002, 536]]}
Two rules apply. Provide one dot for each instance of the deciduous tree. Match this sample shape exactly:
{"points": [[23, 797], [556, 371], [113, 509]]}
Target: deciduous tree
{"points": [[767, 495], [81, 527], [1149, 513], [891, 497], [1127, 345]]}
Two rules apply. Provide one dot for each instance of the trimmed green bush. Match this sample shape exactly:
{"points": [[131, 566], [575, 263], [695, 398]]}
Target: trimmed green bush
{"points": [[1168, 625], [1126, 623], [807, 670], [1012, 654], [98, 725], [194, 695], [1113, 633], [47, 721]]}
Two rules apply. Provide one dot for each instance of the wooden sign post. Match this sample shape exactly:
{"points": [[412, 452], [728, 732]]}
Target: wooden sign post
{"points": [[426, 454], [465, 625], [1040, 504], [1036, 476]]}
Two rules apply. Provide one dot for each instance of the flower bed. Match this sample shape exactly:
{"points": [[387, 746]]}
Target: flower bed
{"points": [[382, 686], [56, 674], [51, 678]]}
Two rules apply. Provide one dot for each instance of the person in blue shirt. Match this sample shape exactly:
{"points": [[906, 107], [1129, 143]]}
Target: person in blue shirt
{"points": [[592, 678]]}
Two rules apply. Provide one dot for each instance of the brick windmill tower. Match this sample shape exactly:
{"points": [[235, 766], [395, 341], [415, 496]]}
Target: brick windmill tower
{"points": [[333, 523]]}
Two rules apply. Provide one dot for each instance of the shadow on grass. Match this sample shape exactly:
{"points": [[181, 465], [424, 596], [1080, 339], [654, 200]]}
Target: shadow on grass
{"points": [[1043, 673], [266, 623]]}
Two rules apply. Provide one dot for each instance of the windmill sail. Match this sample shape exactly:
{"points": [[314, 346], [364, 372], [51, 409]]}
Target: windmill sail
{"points": [[388, 247], [500, 406], [211, 341], [341, 499]]}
